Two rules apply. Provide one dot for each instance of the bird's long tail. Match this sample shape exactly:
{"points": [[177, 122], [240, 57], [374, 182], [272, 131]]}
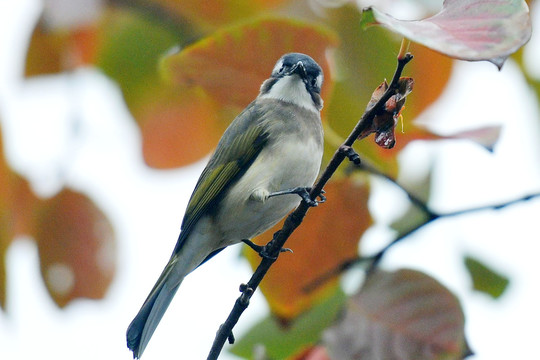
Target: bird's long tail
{"points": [[144, 324]]}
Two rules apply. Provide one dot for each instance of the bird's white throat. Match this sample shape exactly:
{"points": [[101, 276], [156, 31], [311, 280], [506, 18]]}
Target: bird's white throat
{"points": [[291, 89]]}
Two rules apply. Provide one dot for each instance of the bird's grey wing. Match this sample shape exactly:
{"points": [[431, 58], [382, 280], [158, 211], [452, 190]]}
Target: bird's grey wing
{"points": [[235, 152]]}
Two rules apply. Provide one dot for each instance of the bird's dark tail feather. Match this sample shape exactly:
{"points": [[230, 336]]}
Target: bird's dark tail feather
{"points": [[144, 324], [135, 329]]}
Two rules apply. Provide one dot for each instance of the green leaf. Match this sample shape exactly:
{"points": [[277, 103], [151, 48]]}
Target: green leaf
{"points": [[130, 48], [368, 19], [281, 342], [485, 279], [466, 29]]}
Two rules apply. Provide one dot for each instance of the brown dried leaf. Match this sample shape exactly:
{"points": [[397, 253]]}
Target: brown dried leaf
{"points": [[385, 121]]}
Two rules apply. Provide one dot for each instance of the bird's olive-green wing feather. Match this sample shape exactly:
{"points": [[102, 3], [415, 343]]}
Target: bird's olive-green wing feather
{"points": [[226, 165]]}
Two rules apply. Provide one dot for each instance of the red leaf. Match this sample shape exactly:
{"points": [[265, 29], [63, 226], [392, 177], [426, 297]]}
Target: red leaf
{"points": [[76, 247], [484, 136], [401, 315]]}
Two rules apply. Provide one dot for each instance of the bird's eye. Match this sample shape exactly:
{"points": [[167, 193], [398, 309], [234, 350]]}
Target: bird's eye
{"points": [[314, 82], [281, 69]]}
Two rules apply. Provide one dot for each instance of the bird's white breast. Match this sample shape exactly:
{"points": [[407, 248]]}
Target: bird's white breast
{"points": [[291, 89], [288, 163]]}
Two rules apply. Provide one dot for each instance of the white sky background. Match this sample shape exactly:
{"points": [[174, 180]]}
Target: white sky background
{"points": [[146, 207]]}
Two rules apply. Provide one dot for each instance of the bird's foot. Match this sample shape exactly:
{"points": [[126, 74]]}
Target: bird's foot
{"points": [[303, 192], [263, 250]]}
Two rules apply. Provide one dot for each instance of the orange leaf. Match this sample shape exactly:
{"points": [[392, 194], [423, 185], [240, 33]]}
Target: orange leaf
{"points": [[16, 210], [177, 129], [76, 247], [211, 81], [232, 63], [53, 51], [431, 72], [328, 236], [16, 205]]}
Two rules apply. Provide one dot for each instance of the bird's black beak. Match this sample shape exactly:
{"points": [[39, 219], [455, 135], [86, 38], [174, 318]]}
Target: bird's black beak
{"points": [[299, 69]]}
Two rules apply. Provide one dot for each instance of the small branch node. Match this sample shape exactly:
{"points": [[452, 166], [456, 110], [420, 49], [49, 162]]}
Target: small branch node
{"points": [[351, 154], [246, 296]]}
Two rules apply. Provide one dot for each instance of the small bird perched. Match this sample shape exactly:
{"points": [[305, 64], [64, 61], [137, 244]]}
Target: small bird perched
{"points": [[274, 147]]}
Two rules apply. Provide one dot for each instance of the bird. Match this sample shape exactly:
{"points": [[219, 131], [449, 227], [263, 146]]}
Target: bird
{"points": [[270, 153]]}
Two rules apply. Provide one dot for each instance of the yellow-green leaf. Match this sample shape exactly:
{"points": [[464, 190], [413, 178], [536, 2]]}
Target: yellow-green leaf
{"points": [[485, 279], [209, 14]]}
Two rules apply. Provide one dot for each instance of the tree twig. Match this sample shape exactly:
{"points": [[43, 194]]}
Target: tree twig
{"points": [[431, 216], [434, 216], [415, 200], [295, 218]]}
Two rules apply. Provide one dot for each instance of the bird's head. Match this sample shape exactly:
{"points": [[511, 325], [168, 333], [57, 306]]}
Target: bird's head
{"points": [[297, 79]]}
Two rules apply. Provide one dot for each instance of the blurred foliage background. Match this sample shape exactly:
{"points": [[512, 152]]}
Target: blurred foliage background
{"points": [[185, 69]]}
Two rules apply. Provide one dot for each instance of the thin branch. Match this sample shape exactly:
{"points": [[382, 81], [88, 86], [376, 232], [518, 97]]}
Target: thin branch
{"points": [[416, 201], [431, 217], [435, 216], [295, 218]]}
